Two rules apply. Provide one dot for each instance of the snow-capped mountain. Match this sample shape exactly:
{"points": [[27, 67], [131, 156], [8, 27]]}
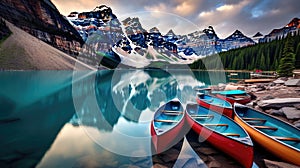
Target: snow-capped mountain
{"points": [[128, 42], [292, 27], [236, 40]]}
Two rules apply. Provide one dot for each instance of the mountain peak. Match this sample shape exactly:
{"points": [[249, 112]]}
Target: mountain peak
{"points": [[170, 33], [295, 22], [154, 30], [258, 34]]}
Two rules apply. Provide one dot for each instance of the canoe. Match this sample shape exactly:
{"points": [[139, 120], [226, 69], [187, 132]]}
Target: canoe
{"points": [[167, 126], [233, 96], [216, 104], [222, 132], [278, 137]]}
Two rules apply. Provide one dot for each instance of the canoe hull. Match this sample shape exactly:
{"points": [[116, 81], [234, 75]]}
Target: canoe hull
{"points": [[222, 110], [165, 141], [241, 152], [281, 151], [168, 126], [274, 146]]}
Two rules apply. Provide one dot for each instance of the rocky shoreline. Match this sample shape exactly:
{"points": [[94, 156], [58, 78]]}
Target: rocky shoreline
{"points": [[280, 98]]}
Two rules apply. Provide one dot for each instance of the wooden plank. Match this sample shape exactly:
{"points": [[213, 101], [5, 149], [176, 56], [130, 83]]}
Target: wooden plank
{"points": [[171, 111], [232, 134], [202, 118], [254, 119], [221, 125], [201, 89], [173, 114], [263, 80], [265, 127], [286, 138], [198, 115], [166, 121]]}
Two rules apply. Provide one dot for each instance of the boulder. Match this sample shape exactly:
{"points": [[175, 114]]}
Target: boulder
{"points": [[278, 103], [214, 163], [291, 112], [297, 106], [276, 112], [207, 151], [292, 82], [268, 97], [297, 125], [279, 81], [233, 87], [274, 164]]}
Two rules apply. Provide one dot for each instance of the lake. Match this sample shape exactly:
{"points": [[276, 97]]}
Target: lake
{"points": [[88, 118]]}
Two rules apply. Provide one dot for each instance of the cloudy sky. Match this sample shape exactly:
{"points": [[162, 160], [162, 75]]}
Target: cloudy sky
{"points": [[185, 16]]}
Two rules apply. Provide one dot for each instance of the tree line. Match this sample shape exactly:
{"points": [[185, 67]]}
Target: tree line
{"points": [[264, 56]]}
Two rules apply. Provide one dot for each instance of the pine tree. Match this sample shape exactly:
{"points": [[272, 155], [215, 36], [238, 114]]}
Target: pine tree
{"points": [[287, 61], [297, 56]]}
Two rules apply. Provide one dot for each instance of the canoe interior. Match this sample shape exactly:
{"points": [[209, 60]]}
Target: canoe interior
{"points": [[171, 111], [230, 92], [283, 129], [232, 128], [214, 100]]}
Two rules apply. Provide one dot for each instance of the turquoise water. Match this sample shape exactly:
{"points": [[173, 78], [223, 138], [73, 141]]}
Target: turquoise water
{"points": [[81, 119]]}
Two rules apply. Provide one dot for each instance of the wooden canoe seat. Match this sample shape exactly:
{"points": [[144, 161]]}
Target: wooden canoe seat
{"points": [[232, 134], [173, 114], [254, 119], [171, 111], [286, 138], [217, 125], [166, 121], [196, 115], [202, 117], [265, 127]]}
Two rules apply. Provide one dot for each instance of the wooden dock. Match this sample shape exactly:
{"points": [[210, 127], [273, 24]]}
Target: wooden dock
{"points": [[261, 80]]}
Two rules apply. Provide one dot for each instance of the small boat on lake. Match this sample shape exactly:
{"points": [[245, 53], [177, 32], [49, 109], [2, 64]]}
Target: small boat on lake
{"points": [[216, 104], [279, 137], [222, 132], [167, 126], [233, 96]]}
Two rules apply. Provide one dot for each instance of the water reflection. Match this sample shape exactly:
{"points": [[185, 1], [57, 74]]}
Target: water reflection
{"points": [[114, 108], [120, 105]]}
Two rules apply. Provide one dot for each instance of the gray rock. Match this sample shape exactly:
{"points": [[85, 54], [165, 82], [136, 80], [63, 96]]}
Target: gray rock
{"points": [[274, 164], [278, 103], [214, 163], [297, 125], [159, 166], [283, 78], [292, 82], [268, 97], [279, 81], [297, 106], [170, 155], [291, 112], [207, 151], [276, 112]]}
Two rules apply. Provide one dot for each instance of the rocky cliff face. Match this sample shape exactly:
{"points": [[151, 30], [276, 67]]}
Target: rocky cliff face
{"points": [[41, 19], [4, 30]]}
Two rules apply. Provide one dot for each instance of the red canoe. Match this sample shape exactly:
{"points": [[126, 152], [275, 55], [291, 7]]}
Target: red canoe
{"points": [[167, 127], [222, 132], [216, 104]]}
